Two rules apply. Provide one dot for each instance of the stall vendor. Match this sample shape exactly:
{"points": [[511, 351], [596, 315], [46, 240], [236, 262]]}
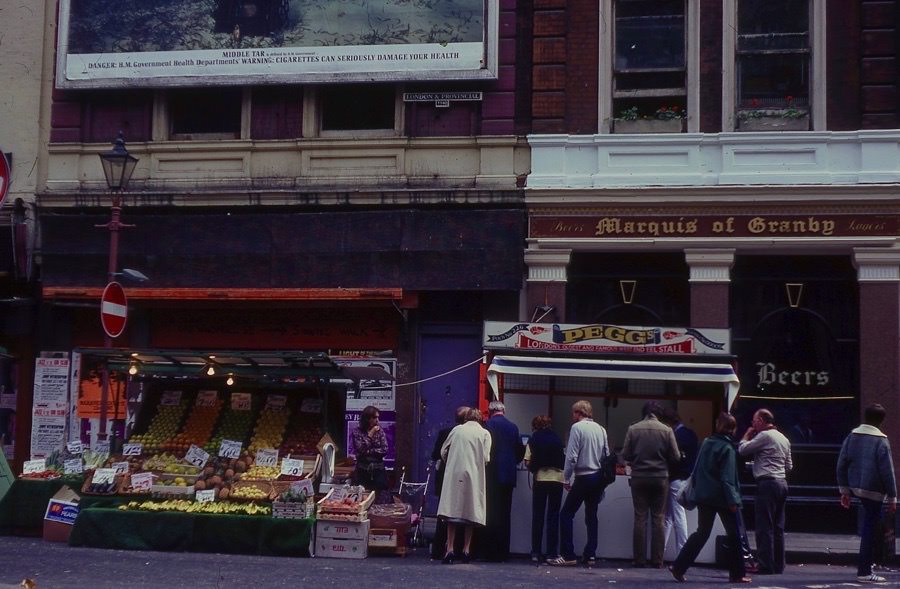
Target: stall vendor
{"points": [[370, 447]]}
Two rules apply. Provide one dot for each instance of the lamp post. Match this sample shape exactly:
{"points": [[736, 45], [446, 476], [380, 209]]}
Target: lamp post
{"points": [[118, 166]]}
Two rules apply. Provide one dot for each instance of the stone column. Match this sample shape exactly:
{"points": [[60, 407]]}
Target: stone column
{"points": [[710, 280], [546, 285], [878, 273]]}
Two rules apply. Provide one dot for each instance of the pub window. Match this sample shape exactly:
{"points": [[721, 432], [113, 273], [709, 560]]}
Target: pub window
{"points": [[214, 113], [354, 108], [773, 61], [649, 71]]}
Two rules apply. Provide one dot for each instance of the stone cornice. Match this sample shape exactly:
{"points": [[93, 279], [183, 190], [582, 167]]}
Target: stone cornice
{"points": [[547, 265], [709, 265], [877, 265]]}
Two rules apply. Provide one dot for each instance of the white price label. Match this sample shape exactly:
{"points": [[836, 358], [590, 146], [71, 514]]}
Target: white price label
{"points": [[267, 457], [132, 449], [304, 485], [142, 481], [338, 493], [276, 402], [170, 398], [240, 401], [207, 398], [230, 449], [120, 467], [73, 466], [205, 496], [101, 446], [33, 466], [311, 406], [292, 467], [75, 447], [103, 476], [196, 456]]}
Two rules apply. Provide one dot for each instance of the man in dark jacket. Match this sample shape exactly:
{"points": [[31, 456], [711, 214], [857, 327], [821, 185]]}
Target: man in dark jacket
{"points": [[865, 469], [507, 451]]}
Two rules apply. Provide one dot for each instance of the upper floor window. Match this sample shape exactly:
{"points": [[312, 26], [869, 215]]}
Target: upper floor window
{"points": [[205, 113], [366, 109]]}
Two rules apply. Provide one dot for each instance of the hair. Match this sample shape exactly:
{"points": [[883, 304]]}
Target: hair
{"points": [[496, 407], [652, 408], [766, 416], [461, 413], [473, 415], [541, 422], [366, 417], [874, 414], [670, 415], [583, 408], [726, 424]]}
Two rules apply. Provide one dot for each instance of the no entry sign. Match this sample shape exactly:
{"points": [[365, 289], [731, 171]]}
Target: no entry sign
{"points": [[113, 309]]}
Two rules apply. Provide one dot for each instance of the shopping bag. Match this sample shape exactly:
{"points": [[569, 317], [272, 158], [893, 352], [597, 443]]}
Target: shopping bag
{"points": [[685, 495]]}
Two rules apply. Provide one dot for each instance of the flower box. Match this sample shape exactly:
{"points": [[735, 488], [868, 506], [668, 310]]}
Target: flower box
{"points": [[648, 126], [774, 123]]}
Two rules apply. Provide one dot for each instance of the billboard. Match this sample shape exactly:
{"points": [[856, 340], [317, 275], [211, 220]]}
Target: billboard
{"points": [[157, 43]]}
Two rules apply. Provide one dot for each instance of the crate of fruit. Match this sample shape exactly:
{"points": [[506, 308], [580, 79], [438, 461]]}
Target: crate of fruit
{"points": [[251, 491], [106, 483], [345, 504]]}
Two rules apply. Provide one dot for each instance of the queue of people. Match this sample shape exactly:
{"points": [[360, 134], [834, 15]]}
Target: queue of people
{"points": [[669, 470]]}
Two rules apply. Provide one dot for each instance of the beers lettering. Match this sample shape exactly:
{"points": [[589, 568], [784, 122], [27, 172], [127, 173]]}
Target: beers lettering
{"points": [[769, 374]]}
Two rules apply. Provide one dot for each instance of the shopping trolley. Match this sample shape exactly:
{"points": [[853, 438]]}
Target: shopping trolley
{"points": [[416, 495]]}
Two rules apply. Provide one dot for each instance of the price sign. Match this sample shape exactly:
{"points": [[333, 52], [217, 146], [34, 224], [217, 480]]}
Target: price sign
{"points": [[132, 449], [33, 466], [276, 402], [196, 456], [207, 398], [240, 401], [103, 476], [120, 467], [338, 493], [230, 449], [311, 406], [292, 467], [75, 448], [267, 457], [170, 398], [304, 485], [101, 446], [205, 496], [142, 481], [73, 466]]}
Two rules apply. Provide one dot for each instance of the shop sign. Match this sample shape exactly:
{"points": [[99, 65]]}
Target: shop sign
{"points": [[605, 338], [240, 401], [229, 449], [104, 476], [693, 226], [196, 456], [73, 466], [50, 405], [132, 449], [34, 466], [205, 496], [75, 448], [377, 393], [267, 457], [207, 398], [170, 398], [769, 374], [292, 467]]}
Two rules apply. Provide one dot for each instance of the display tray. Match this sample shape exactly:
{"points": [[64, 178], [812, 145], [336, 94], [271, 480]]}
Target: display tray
{"points": [[263, 486], [113, 490], [188, 478], [355, 512], [171, 491]]}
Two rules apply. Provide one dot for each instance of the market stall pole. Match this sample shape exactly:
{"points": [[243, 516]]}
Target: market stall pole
{"points": [[118, 166]]}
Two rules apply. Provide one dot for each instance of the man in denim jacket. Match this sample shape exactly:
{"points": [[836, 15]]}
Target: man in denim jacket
{"points": [[865, 469]]}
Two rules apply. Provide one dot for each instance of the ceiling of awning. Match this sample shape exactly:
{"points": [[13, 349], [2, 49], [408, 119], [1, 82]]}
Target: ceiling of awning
{"points": [[625, 369]]}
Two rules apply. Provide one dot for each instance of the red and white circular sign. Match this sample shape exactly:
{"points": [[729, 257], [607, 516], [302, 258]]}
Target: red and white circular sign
{"points": [[113, 309], [5, 177]]}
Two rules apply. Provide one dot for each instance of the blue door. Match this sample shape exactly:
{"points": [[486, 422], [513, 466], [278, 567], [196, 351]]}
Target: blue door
{"points": [[441, 349]]}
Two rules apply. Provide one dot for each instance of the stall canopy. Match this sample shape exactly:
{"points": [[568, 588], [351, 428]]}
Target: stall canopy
{"points": [[627, 369]]}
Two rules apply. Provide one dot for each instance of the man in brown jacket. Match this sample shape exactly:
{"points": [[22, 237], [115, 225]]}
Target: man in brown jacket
{"points": [[650, 448]]}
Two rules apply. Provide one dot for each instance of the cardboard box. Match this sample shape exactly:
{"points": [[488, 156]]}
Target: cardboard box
{"points": [[62, 509], [338, 530], [383, 538], [333, 548]]}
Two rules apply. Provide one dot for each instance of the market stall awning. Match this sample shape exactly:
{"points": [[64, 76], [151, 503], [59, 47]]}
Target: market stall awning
{"points": [[627, 369]]}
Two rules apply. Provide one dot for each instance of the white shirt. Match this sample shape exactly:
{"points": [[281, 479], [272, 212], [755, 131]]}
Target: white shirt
{"points": [[771, 453], [587, 446]]}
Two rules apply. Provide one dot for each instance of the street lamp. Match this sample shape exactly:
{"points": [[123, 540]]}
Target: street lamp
{"points": [[118, 166]]}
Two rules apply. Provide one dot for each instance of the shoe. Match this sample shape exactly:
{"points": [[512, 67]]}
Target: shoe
{"points": [[536, 558], [740, 580], [678, 576], [448, 558], [561, 561], [466, 558], [873, 578], [589, 561]]}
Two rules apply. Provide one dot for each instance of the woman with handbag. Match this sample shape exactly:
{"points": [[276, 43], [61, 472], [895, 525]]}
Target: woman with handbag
{"points": [[716, 491]]}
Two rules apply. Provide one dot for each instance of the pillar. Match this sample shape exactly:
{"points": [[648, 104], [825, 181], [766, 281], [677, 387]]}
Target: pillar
{"points": [[545, 287], [710, 278]]}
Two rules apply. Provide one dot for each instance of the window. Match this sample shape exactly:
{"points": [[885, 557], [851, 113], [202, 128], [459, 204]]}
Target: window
{"points": [[358, 107], [205, 114], [649, 71], [773, 58]]}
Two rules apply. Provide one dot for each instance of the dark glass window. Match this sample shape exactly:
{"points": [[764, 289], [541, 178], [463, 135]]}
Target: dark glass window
{"points": [[205, 112], [354, 107]]}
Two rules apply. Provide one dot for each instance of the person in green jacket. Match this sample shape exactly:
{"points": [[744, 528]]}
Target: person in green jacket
{"points": [[716, 491]]}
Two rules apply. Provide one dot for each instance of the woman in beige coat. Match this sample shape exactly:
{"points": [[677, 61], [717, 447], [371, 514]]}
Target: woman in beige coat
{"points": [[465, 453]]}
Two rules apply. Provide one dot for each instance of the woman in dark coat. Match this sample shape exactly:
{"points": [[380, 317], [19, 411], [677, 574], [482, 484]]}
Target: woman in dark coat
{"points": [[716, 492], [545, 457]]}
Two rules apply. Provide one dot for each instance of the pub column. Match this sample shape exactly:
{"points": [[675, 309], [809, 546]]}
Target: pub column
{"points": [[710, 278], [545, 288], [878, 273]]}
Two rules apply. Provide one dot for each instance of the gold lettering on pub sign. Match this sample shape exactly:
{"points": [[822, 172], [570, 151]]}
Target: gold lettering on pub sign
{"points": [[611, 226], [617, 226]]}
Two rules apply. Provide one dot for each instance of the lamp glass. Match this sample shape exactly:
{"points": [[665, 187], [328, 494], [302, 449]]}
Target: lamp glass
{"points": [[118, 164]]}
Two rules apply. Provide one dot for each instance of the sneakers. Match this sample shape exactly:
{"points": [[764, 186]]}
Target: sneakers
{"points": [[871, 578], [676, 574], [536, 558], [559, 561]]}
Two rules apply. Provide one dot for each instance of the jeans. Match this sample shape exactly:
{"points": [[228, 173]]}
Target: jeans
{"points": [[545, 500], [588, 490], [676, 517], [706, 515], [871, 515], [649, 494], [771, 495]]}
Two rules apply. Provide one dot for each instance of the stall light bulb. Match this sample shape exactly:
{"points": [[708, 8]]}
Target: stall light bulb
{"points": [[230, 381], [132, 370], [211, 370]]}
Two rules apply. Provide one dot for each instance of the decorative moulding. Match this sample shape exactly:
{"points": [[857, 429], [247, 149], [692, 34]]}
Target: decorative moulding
{"points": [[547, 266]]}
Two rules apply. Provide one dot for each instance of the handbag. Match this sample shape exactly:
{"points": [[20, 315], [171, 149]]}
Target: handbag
{"points": [[685, 495], [608, 468]]}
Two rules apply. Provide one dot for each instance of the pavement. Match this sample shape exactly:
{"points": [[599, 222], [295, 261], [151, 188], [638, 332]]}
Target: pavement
{"points": [[52, 565]]}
